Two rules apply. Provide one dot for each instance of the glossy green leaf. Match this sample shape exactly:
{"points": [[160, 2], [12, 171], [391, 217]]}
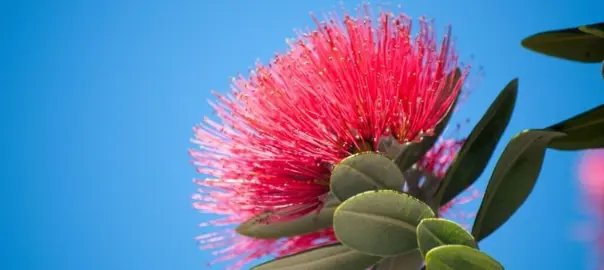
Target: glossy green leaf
{"points": [[411, 152], [582, 44], [435, 232], [336, 257], [583, 131], [262, 227], [411, 260], [362, 172], [480, 145], [460, 257], [513, 179], [380, 223]]}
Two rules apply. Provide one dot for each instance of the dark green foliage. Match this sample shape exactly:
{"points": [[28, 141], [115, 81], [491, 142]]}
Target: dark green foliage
{"points": [[478, 148], [582, 44], [513, 180], [584, 131]]}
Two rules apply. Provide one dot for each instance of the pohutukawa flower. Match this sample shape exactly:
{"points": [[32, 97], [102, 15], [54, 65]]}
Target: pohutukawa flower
{"points": [[339, 89]]}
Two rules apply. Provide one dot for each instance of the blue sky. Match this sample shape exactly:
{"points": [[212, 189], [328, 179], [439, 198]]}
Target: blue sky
{"points": [[99, 97]]}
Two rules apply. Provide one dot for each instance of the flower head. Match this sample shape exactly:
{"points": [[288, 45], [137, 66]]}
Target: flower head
{"points": [[338, 90]]}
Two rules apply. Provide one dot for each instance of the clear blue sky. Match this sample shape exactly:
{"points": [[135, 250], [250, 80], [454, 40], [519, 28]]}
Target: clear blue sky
{"points": [[98, 99]]}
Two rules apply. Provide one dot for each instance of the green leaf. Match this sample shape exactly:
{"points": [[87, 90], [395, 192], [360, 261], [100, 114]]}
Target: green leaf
{"points": [[435, 232], [460, 257], [380, 223], [411, 152], [594, 29], [261, 227], [582, 44], [411, 260], [334, 257], [583, 131], [480, 145], [362, 172], [512, 181]]}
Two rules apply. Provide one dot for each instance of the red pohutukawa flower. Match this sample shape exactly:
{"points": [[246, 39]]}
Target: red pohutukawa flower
{"points": [[338, 90]]}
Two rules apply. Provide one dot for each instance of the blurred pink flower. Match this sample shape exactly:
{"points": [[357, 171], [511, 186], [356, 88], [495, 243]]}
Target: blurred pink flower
{"points": [[591, 178], [338, 90]]}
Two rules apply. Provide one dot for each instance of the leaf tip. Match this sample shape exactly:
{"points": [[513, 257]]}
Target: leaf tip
{"points": [[514, 83]]}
